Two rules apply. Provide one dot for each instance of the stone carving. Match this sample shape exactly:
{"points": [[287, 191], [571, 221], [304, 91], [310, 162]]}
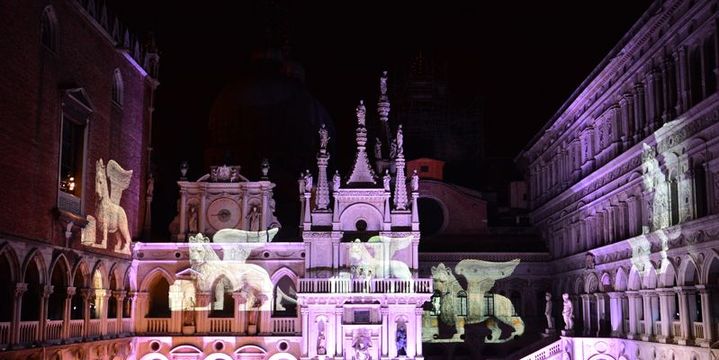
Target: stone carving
{"points": [[393, 150], [324, 138], [481, 276], [361, 111], [377, 149], [361, 345], [301, 182], [225, 173], [362, 258], [386, 179], [265, 168], [589, 261], [548, 310], [321, 343], [383, 83], [400, 141], [567, 312], [415, 180], [253, 219], [308, 181], [192, 219], [110, 216], [336, 181], [401, 339]]}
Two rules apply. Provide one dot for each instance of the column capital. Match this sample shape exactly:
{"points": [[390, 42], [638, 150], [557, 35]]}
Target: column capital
{"points": [[239, 297], [616, 294], [666, 291], [119, 294], [685, 290], [86, 293], [47, 290], [633, 294], [601, 296], [383, 310], [70, 291]]}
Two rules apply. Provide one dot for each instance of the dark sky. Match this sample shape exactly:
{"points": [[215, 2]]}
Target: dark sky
{"points": [[523, 58]]}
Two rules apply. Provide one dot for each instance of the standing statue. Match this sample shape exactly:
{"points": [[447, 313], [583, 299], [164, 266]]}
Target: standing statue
{"points": [[253, 219], [308, 181], [321, 343], [383, 83], [548, 311], [567, 312], [415, 180], [400, 141], [401, 340], [393, 149], [377, 149], [361, 345], [361, 111], [192, 219], [336, 180], [301, 183], [324, 137], [265, 167], [386, 179]]}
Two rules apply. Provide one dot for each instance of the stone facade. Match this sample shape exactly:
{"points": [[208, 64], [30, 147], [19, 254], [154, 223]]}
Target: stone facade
{"points": [[622, 186]]}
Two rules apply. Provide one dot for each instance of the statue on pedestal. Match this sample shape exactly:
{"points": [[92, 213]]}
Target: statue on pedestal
{"points": [[324, 138], [567, 312], [308, 181], [415, 180], [377, 149], [386, 179], [548, 311], [400, 141], [192, 220], [336, 180]]}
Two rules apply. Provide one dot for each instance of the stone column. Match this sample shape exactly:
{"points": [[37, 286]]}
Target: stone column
{"points": [[639, 112], [616, 315], [104, 297], [418, 312], [139, 313], [603, 314], [634, 299], [651, 102], [307, 212], [339, 336], [666, 308], [41, 334], [385, 331], [649, 315], [707, 316], [239, 324], [305, 331], [86, 296], [680, 58], [66, 312], [119, 301], [20, 289], [686, 318], [586, 314]]}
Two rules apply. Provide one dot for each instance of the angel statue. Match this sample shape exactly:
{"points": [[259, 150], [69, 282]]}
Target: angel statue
{"points": [[111, 218]]}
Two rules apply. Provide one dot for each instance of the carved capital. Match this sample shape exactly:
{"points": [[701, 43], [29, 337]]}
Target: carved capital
{"points": [[20, 288], [70, 291]]}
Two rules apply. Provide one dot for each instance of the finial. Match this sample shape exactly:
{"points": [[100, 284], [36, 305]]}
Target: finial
{"points": [[383, 83]]}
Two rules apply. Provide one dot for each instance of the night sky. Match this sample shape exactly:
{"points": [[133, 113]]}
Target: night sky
{"points": [[522, 58]]}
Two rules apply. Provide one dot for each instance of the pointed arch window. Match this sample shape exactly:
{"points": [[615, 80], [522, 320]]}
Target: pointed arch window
{"points": [[117, 88], [48, 28], [76, 110]]}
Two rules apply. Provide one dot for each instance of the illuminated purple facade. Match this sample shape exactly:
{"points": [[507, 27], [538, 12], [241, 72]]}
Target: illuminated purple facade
{"points": [[624, 188]]}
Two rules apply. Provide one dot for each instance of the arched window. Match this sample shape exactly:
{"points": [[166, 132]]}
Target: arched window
{"points": [[7, 283], [117, 88], [285, 301], [76, 309], [223, 305], [159, 300], [700, 191], [48, 28], [112, 301], [461, 304], [56, 302], [674, 201], [31, 298]]}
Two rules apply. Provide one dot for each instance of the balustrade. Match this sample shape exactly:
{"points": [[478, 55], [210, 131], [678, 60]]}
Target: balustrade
{"points": [[698, 330], [76, 327], [4, 333], [112, 326], [93, 327], [28, 331], [221, 325], [157, 325], [284, 325], [339, 285], [126, 325], [54, 329]]}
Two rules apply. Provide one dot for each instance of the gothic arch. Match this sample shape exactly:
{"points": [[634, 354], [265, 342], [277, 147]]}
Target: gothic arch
{"points": [[362, 211], [711, 267], [129, 282], [605, 282], [620, 280], [282, 272], [48, 28], [61, 260], [150, 276], [578, 285], [667, 274], [117, 88], [649, 281], [688, 272], [635, 281], [115, 273], [34, 258], [83, 268], [591, 284], [101, 270], [7, 251]]}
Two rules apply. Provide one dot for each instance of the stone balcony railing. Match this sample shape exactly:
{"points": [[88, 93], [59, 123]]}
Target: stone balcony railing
{"points": [[342, 286]]}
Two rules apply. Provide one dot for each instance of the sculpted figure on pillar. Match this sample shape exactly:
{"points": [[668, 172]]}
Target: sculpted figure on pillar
{"points": [[567, 312], [548, 311]]}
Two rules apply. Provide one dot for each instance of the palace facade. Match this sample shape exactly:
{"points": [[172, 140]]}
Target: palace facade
{"points": [[624, 189]]}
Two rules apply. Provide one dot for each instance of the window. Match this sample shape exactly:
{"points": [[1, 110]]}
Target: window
{"points": [[117, 88], [488, 304], [461, 303], [362, 317], [73, 138], [48, 28]]}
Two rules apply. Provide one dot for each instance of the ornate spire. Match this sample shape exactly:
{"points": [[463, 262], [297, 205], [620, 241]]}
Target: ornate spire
{"points": [[400, 183], [361, 171], [323, 188], [383, 107]]}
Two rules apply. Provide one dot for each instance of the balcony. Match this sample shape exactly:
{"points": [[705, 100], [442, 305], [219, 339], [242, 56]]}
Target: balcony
{"points": [[285, 326], [378, 286]]}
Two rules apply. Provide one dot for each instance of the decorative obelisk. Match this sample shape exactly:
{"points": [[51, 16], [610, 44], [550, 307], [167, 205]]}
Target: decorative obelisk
{"points": [[400, 183], [323, 188], [362, 173]]}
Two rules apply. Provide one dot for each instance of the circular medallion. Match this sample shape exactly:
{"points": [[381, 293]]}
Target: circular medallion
{"points": [[223, 213]]}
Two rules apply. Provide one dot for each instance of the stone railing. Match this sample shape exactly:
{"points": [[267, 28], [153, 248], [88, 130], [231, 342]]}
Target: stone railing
{"points": [[126, 325], [28, 330], [93, 327], [676, 328], [339, 285], [76, 328], [221, 325], [54, 329], [4, 333], [285, 325], [112, 326], [158, 325], [698, 330], [550, 351]]}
